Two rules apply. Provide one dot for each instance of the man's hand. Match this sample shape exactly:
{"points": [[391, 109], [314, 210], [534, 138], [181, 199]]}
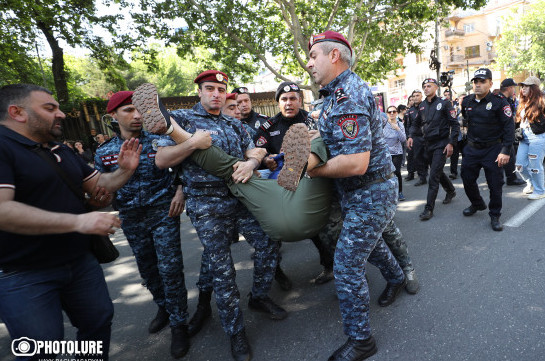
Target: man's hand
{"points": [[270, 163], [243, 170], [177, 204], [502, 160], [201, 139], [97, 223], [315, 114], [100, 198], [448, 150], [129, 155], [410, 143]]}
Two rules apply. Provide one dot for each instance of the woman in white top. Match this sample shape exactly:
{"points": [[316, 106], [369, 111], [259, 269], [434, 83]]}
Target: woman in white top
{"points": [[394, 134]]}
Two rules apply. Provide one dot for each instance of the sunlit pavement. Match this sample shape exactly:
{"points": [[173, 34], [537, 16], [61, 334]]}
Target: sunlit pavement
{"points": [[482, 295]]}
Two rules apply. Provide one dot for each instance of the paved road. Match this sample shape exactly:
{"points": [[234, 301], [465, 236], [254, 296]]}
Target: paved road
{"points": [[482, 295]]}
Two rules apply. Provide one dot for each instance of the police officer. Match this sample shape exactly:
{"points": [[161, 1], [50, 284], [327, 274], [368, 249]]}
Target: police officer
{"points": [[507, 92], [415, 157], [438, 121], [270, 136], [149, 207], [231, 108], [363, 173], [250, 119], [214, 212], [490, 136]]}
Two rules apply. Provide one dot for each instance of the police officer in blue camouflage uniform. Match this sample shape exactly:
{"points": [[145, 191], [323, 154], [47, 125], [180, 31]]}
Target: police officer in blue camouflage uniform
{"points": [[250, 118], [363, 171], [215, 213], [149, 207]]}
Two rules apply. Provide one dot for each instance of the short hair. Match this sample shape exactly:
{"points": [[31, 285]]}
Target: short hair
{"points": [[346, 54], [401, 108], [16, 93]]}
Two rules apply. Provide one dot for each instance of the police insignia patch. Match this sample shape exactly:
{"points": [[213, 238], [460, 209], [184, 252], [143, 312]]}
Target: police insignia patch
{"points": [[287, 88], [453, 113], [257, 124], [261, 141], [439, 106], [349, 126], [507, 111], [266, 125], [219, 77], [154, 144], [489, 106], [340, 95]]}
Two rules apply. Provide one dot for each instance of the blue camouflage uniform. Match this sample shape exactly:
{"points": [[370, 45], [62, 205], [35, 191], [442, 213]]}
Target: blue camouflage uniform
{"points": [[143, 204], [349, 123], [217, 215]]}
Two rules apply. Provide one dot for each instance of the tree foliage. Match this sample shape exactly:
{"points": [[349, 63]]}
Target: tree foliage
{"points": [[522, 43], [71, 21], [249, 34]]}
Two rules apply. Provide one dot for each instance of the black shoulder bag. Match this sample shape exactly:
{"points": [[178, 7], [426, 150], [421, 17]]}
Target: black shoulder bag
{"points": [[101, 246]]}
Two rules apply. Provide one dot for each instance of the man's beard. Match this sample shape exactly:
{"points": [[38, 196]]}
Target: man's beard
{"points": [[39, 129]]}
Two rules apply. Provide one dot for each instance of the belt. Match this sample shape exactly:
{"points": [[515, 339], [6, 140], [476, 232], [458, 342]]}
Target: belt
{"points": [[483, 145]]}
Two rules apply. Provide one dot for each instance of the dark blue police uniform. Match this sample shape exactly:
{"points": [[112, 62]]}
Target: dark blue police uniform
{"points": [[143, 204], [215, 213], [349, 124], [490, 131], [415, 156], [253, 122]]}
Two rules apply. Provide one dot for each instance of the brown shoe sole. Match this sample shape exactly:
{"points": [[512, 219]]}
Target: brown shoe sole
{"points": [[145, 100], [296, 148]]}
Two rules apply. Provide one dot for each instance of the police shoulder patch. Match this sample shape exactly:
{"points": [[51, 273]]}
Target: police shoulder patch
{"points": [[507, 111], [349, 125], [453, 113], [154, 144], [340, 95], [261, 141]]}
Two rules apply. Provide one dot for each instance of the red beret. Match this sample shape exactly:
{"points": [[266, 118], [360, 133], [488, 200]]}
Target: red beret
{"points": [[214, 76], [118, 99], [231, 96], [328, 36]]}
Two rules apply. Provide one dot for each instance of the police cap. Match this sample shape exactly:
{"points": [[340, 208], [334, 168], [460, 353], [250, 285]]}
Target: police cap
{"points": [[482, 73], [328, 36], [508, 82], [286, 87], [214, 76], [241, 90], [119, 99], [430, 80]]}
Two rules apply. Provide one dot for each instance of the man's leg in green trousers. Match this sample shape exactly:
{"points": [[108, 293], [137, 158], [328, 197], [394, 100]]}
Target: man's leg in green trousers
{"points": [[286, 215]]}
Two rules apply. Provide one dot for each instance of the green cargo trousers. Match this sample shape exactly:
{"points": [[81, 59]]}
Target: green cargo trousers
{"points": [[283, 214]]}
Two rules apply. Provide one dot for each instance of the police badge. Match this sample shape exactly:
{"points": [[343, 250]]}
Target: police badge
{"points": [[219, 77], [439, 106], [489, 106], [287, 88], [349, 126]]}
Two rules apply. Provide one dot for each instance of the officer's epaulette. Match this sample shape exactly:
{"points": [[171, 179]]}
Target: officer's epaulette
{"points": [[269, 123], [262, 116], [105, 142]]}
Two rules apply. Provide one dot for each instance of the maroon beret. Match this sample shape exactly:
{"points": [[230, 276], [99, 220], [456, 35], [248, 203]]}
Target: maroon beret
{"points": [[231, 96], [214, 76], [328, 36], [118, 99]]}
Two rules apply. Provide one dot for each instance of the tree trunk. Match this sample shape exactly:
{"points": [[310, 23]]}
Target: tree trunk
{"points": [[57, 65]]}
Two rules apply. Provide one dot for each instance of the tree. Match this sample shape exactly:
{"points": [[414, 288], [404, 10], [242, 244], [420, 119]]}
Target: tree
{"points": [[247, 34], [521, 46], [68, 20]]}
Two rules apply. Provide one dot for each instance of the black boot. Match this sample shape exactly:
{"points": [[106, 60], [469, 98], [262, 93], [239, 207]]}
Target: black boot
{"points": [[179, 344], [159, 322], [203, 313], [355, 350], [240, 348], [283, 280]]}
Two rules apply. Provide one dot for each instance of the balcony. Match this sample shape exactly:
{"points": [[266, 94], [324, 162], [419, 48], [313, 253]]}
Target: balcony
{"points": [[454, 34], [455, 60]]}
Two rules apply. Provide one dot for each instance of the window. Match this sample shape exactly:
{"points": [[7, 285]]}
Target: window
{"points": [[399, 83], [469, 28], [473, 51]]}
